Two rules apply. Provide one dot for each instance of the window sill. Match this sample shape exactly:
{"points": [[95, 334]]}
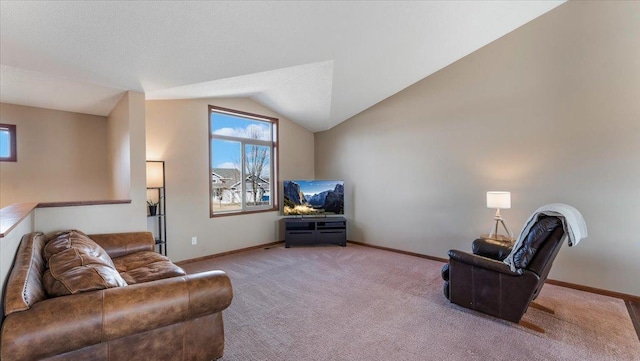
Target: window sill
{"points": [[239, 213]]}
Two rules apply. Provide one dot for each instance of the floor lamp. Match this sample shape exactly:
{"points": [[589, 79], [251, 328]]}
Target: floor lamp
{"points": [[499, 200]]}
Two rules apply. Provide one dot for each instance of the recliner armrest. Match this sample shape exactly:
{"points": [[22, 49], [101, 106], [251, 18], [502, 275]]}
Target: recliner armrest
{"points": [[491, 248], [484, 262], [489, 286]]}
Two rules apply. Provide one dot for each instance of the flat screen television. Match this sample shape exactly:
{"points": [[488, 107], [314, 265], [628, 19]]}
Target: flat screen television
{"points": [[313, 197]]}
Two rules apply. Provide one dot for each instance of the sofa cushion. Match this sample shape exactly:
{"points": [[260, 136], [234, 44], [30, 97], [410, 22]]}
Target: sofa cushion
{"points": [[75, 239], [77, 264], [537, 235], [146, 266]]}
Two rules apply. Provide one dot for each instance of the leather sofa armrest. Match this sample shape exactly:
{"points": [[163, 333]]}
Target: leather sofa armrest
{"points": [[53, 326], [120, 244], [146, 306], [62, 324], [484, 262], [209, 292]]}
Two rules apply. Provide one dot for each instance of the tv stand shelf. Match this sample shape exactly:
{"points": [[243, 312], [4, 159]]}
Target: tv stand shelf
{"points": [[309, 231]]}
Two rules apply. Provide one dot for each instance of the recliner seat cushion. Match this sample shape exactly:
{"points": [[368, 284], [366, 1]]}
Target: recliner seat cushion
{"points": [[145, 267], [537, 235], [77, 264]]}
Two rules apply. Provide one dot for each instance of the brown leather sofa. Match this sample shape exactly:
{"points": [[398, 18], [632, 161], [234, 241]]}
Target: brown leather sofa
{"points": [[151, 310]]}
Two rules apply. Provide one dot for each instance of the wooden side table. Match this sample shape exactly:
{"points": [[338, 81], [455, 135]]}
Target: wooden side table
{"points": [[499, 238]]}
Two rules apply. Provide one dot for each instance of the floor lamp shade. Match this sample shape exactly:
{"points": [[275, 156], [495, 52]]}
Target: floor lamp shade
{"points": [[155, 174]]}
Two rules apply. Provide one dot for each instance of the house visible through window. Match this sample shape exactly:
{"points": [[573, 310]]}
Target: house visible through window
{"points": [[8, 143], [243, 150]]}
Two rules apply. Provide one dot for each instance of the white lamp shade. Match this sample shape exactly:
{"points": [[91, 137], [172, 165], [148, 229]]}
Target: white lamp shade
{"points": [[499, 200], [155, 174]]}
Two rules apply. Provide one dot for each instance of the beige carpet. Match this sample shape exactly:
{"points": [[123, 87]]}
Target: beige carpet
{"points": [[359, 303]]}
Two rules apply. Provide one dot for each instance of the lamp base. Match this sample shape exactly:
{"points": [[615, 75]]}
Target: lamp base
{"points": [[493, 233]]}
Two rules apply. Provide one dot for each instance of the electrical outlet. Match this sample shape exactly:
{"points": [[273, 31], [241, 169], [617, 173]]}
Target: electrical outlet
{"points": [[194, 241]]}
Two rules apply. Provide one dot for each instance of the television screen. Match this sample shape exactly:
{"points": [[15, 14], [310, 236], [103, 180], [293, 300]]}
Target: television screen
{"points": [[313, 197]]}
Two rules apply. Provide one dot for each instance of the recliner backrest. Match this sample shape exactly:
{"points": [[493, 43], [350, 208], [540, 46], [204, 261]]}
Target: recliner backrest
{"points": [[544, 256], [534, 240]]}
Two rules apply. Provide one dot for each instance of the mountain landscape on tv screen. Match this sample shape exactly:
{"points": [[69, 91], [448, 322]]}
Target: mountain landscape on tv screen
{"points": [[313, 198]]}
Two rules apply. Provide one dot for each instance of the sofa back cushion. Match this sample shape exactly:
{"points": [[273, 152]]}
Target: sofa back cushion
{"points": [[77, 264], [62, 241]]}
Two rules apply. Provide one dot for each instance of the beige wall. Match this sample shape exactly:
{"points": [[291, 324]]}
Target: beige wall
{"points": [[62, 156], [129, 113], [177, 132], [549, 112], [119, 151]]}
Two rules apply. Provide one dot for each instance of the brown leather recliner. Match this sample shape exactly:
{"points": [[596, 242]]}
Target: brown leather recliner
{"points": [[484, 283]]}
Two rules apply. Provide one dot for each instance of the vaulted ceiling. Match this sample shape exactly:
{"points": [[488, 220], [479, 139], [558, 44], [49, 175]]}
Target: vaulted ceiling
{"points": [[316, 63]]}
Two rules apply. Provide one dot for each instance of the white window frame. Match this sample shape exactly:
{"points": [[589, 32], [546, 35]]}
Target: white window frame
{"points": [[13, 141], [273, 162]]}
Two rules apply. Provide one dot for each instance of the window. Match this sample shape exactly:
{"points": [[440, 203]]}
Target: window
{"points": [[8, 143], [243, 157]]}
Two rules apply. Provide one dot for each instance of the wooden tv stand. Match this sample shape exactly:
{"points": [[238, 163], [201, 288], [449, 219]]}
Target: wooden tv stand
{"points": [[309, 231]]}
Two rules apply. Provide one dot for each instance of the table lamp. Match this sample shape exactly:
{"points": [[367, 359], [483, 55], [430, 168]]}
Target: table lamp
{"points": [[499, 200]]}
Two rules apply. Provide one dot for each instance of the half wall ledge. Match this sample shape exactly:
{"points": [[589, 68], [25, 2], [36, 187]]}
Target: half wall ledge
{"points": [[81, 203], [12, 215]]}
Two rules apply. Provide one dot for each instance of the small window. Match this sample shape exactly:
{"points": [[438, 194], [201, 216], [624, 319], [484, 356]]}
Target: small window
{"points": [[243, 155], [8, 143]]}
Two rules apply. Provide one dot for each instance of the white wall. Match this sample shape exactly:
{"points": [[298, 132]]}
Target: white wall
{"points": [[109, 218], [62, 156], [549, 112], [177, 132]]}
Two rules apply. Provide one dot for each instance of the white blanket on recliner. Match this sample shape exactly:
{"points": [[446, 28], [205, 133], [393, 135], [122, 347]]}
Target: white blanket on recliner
{"points": [[573, 224]]}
